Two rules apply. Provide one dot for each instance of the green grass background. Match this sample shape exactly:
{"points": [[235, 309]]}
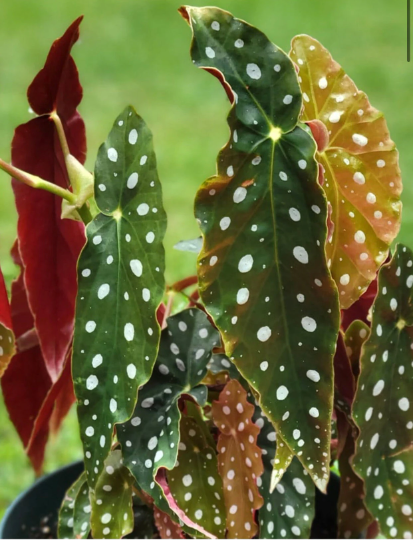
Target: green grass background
{"points": [[136, 51]]}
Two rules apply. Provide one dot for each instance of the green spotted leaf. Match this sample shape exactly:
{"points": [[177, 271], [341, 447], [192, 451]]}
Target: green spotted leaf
{"points": [[195, 482], [288, 511], [262, 270], [356, 334], [150, 439], [239, 460], [167, 528], [121, 284], [112, 514], [73, 503], [361, 171], [383, 408]]}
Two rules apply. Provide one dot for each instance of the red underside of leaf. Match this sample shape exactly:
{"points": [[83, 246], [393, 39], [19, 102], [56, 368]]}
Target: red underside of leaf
{"points": [[5, 316], [30, 397], [50, 246], [166, 527], [239, 460]]}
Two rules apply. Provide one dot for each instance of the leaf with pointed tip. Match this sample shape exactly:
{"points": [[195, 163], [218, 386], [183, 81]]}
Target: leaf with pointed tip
{"points": [[220, 363], [282, 460], [262, 271], [50, 246], [288, 511], [384, 457], [344, 381], [150, 438], [195, 482], [239, 459], [362, 175], [354, 517], [112, 515], [6, 333], [121, 285], [167, 528], [193, 246], [66, 522]]}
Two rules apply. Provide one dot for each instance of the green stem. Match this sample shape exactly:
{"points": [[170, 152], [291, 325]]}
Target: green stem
{"points": [[37, 182], [60, 133]]}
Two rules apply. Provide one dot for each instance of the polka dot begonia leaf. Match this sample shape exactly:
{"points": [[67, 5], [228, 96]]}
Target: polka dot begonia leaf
{"points": [[150, 439], [354, 338], [121, 285], [361, 171], [288, 511], [112, 515], [383, 408], [166, 527], [239, 459], [263, 273], [6, 334], [68, 526], [195, 482]]}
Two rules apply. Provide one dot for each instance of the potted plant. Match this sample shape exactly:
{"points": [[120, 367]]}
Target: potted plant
{"points": [[222, 419]]}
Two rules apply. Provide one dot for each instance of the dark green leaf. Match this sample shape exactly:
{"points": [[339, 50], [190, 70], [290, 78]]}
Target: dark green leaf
{"points": [[289, 510], [66, 523], [195, 482], [262, 271], [121, 284], [82, 512], [150, 439], [112, 514], [383, 408]]}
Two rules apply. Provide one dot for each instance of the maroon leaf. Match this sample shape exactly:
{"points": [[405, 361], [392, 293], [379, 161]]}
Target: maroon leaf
{"points": [[343, 375], [6, 333], [50, 246], [24, 399], [33, 408]]}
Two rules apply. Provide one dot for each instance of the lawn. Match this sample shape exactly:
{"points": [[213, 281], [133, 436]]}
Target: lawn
{"points": [[136, 51]]}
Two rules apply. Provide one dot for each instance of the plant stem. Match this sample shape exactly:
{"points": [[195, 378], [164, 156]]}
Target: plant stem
{"points": [[37, 182], [60, 133]]}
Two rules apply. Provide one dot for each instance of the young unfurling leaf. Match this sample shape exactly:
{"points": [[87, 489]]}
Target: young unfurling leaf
{"points": [[262, 270], [121, 284], [383, 409], [361, 171], [239, 459]]}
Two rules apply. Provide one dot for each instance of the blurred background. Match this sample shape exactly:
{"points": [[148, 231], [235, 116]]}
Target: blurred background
{"points": [[137, 52]]}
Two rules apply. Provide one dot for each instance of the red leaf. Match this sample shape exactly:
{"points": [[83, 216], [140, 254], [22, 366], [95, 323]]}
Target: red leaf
{"points": [[360, 309], [26, 381], [239, 461], [31, 406], [6, 333], [50, 246], [56, 86]]}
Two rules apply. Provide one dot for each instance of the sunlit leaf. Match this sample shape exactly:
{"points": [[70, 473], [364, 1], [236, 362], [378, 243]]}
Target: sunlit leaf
{"points": [[239, 460], [262, 271], [6, 333], [195, 482], [361, 171], [112, 515], [383, 408], [150, 438], [66, 521], [121, 285], [288, 511]]}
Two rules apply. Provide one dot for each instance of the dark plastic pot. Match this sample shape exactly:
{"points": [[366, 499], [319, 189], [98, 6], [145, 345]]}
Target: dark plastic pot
{"points": [[41, 500], [45, 496]]}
